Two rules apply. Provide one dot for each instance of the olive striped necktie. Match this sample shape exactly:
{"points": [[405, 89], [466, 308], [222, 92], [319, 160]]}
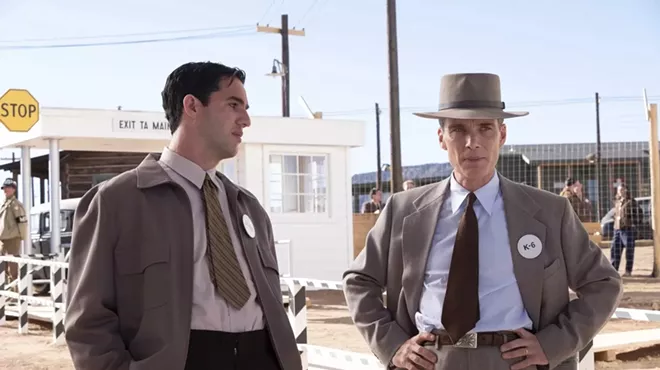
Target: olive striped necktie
{"points": [[224, 269]]}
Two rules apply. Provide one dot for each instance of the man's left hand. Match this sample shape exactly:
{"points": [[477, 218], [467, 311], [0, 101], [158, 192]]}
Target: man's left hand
{"points": [[527, 347]]}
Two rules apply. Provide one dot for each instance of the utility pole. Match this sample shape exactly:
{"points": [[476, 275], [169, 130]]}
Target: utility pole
{"points": [[654, 158], [601, 189], [286, 72], [395, 127], [379, 170]]}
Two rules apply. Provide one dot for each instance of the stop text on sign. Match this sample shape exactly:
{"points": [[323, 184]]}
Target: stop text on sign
{"points": [[18, 110]]}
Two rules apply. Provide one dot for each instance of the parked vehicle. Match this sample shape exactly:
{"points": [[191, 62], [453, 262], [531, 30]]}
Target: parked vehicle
{"points": [[41, 234], [644, 231]]}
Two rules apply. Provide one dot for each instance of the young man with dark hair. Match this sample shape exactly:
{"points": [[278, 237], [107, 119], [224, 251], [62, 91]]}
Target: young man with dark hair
{"points": [[172, 265]]}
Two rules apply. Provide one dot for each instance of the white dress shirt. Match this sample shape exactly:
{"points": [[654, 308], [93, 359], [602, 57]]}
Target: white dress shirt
{"points": [[500, 302], [209, 310]]}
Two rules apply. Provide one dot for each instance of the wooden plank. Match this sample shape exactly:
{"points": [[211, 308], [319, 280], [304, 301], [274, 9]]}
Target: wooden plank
{"points": [[36, 313], [103, 160], [619, 340], [362, 224], [100, 155], [97, 170], [607, 356], [269, 29], [591, 227]]}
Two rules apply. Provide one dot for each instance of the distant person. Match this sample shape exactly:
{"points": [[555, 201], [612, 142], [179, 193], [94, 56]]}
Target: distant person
{"points": [[408, 184], [374, 205], [627, 216], [13, 226], [172, 265], [477, 268], [573, 191]]}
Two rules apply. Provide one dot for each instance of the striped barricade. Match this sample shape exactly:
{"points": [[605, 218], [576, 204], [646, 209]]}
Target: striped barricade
{"points": [[313, 357], [56, 301]]}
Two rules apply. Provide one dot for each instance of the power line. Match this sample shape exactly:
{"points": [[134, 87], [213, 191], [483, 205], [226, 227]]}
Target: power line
{"points": [[268, 10], [151, 33], [314, 3], [213, 35]]}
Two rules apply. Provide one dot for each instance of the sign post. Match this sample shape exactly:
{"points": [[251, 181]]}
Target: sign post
{"points": [[19, 110]]}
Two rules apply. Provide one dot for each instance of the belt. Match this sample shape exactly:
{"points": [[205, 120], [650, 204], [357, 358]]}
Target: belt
{"points": [[474, 340]]}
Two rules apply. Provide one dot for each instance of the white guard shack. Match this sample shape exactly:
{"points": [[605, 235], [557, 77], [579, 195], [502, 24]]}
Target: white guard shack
{"points": [[298, 168]]}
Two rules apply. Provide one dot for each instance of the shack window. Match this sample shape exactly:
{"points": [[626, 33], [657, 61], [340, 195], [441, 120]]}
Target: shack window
{"points": [[298, 183]]}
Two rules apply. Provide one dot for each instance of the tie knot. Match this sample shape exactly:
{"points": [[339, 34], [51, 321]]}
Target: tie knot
{"points": [[471, 199], [208, 183]]}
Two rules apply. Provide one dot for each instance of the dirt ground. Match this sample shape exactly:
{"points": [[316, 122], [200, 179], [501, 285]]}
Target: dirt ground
{"points": [[330, 326]]}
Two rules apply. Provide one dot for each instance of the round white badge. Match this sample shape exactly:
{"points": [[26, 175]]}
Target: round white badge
{"points": [[529, 246], [248, 226]]}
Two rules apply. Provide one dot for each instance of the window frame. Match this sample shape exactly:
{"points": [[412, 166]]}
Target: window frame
{"points": [[66, 221], [311, 217]]}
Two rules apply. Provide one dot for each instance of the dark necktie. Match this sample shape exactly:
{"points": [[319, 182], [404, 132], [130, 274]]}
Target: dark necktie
{"points": [[460, 311], [224, 269]]}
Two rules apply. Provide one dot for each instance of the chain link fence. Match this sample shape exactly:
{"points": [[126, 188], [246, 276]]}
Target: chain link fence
{"points": [[551, 167]]}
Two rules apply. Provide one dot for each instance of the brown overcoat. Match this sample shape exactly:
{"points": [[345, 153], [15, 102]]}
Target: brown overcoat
{"points": [[131, 273]]}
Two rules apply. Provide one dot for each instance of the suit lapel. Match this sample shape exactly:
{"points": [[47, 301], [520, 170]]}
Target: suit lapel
{"points": [[520, 210], [418, 231]]}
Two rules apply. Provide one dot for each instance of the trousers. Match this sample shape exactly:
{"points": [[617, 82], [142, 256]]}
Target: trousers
{"points": [[11, 247], [482, 358], [216, 350], [623, 239]]}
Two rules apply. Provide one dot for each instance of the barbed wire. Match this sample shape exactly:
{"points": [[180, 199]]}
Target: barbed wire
{"points": [[309, 9], [268, 10], [513, 105]]}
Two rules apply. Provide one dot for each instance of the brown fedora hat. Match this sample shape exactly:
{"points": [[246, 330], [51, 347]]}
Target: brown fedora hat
{"points": [[471, 96]]}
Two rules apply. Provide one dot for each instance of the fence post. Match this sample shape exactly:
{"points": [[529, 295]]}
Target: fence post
{"points": [[297, 314], [56, 292], [23, 297], [586, 358], [3, 280]]}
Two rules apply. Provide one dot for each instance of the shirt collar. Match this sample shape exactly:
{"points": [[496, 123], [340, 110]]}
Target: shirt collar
{"points": [[486, 195], [187, 169]]}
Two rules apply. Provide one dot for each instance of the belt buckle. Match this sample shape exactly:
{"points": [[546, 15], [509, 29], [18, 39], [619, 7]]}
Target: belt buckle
{"points": [[469, 340]]}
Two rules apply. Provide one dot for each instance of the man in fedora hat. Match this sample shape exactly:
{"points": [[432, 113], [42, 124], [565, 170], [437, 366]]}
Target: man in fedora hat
{"points": [[477, 268]]}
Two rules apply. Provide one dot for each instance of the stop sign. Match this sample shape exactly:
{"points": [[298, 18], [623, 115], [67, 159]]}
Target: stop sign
{"points": [[19, 110]]}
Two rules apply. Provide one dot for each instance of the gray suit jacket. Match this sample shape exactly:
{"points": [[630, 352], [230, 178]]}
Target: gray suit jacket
{"points": [[395, 255], [131, 273]]}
